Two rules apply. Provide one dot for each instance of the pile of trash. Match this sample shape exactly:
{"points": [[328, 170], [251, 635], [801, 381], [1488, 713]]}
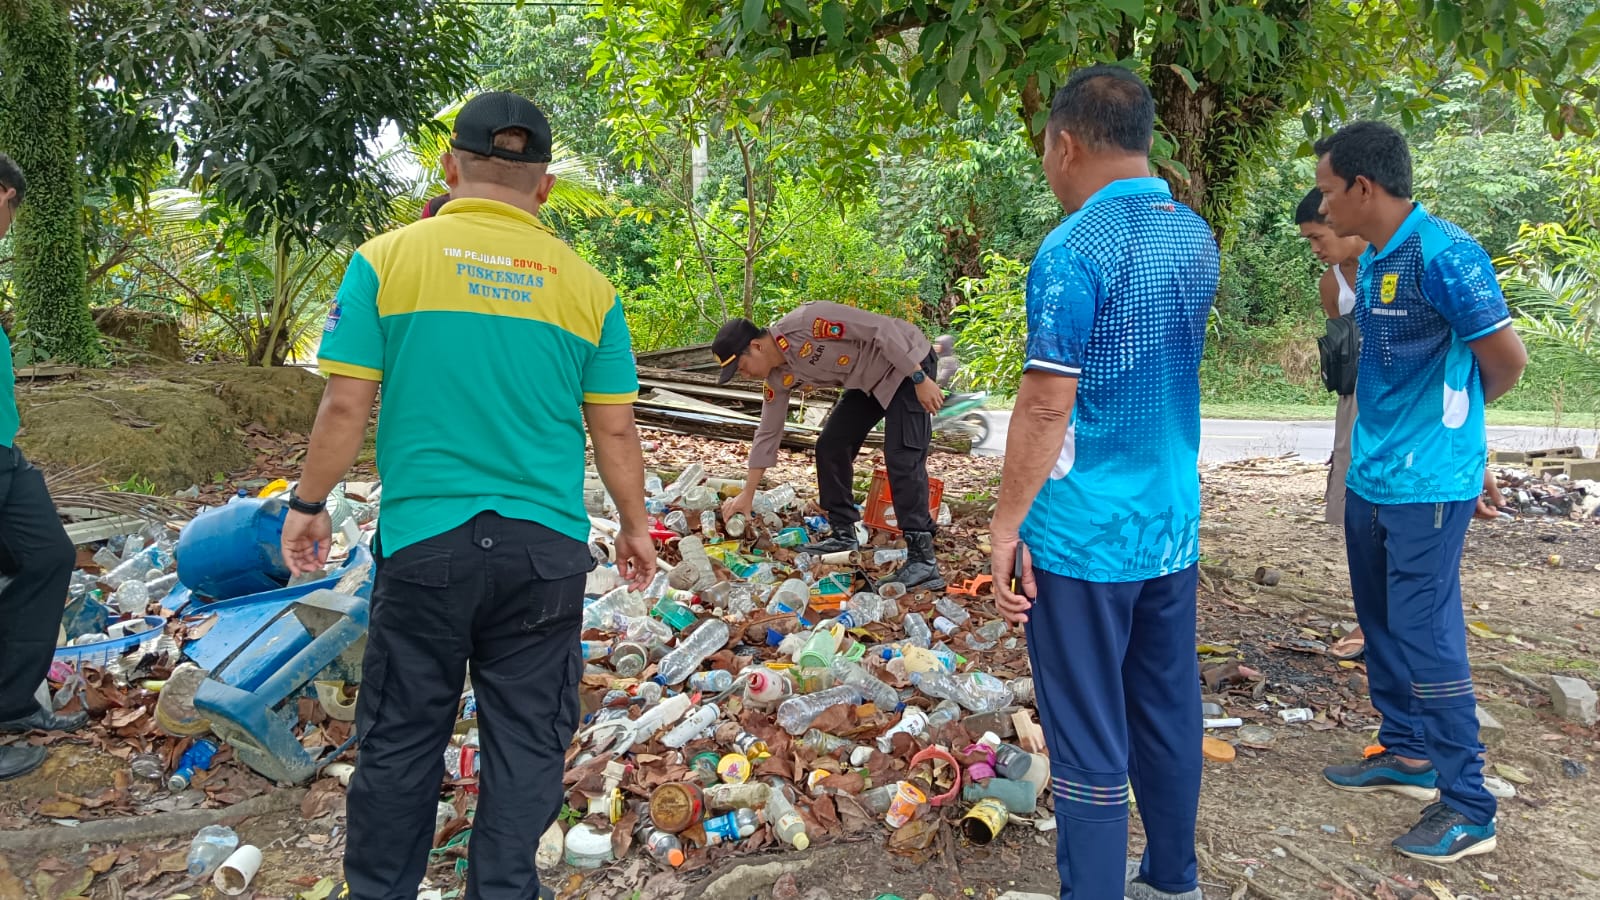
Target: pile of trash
{"points": [[1548, 492], [755, 694]]}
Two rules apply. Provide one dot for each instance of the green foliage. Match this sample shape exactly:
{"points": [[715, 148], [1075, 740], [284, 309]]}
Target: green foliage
{"points": [[992, 325], [1552, 279], [280, 102], [817, 255], [545, 56], [39, 128], [136, 484]]}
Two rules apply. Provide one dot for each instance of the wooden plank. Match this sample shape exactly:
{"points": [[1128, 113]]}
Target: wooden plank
{"points": [[103, 528], [673, 399]]}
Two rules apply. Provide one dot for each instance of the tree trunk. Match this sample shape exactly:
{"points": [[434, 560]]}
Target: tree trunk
{"points": [[40, 129], [1188, 117]]}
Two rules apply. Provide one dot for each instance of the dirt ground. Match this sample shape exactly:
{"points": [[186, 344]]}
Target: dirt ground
{"points": [[1265, 817]]}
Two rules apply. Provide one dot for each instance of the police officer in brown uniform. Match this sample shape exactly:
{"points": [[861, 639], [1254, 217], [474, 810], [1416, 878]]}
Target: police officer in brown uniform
{"points": [[886, 367]]}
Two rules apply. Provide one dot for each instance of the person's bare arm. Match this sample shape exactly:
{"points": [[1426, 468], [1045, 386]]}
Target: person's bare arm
{"points": [[1328, 289], [337, 436], [1033, 444], [1501, 359], [618, 459], [336, 439]]}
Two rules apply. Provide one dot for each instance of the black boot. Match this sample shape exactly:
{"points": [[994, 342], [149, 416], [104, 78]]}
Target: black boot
{"points": [[43, 719], [842, 540], [20, 760], [921, 571]]}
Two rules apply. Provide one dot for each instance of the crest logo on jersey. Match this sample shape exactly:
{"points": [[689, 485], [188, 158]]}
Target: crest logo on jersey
{"points": [[1386, 292], [822, 329], [335, 313]]}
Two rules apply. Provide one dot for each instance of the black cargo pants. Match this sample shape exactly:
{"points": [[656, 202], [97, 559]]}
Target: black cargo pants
{"points": [[907, 432], [36, 560], [505, 595]]}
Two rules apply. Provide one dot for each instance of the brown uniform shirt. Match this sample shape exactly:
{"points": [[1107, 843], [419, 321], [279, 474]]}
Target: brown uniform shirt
{"points": [[832, 345]]}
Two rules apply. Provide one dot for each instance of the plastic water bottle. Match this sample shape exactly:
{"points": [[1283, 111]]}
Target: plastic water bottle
{"points": [[846, 671], [664, 847], [708, 524], [195, 759], [620, 602], [951, 610], [891, 555], [790, 597], [797, 713], [148, 767], [944, 713], [786, 823], [977, 692], [692, 650], [734, 826], [774, 501], [750, 795], [823, 743], [652, 485], [209, 848], [642, 629], [713, 682], [917, 630], [690, 477], [699, 499], [764, 685], [863, 609]]}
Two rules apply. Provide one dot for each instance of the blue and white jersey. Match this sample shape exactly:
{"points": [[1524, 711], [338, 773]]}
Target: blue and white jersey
{"points": [[1118, 298], [1419, 435]]}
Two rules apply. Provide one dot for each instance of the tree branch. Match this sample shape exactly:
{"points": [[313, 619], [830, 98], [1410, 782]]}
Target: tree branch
{"points": [[895, 22]]}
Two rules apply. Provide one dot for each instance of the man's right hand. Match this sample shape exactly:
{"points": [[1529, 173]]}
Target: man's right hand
{"points": [[739, 504], [1491, 500], [636, 559]]}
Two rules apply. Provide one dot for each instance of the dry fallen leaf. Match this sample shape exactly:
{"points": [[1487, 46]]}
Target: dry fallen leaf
{"points": [[59, 809]]}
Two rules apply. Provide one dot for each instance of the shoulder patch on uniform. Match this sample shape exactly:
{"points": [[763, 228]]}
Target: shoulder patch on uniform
{"points": [[805, 350], [822, 329], [782, 342], [788, 379], [844, 360], [1386, 291], [335, 313], [768, 392]]}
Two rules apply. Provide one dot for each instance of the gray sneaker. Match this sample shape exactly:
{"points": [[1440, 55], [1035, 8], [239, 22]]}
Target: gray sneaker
{"points": [[1134, 889]]}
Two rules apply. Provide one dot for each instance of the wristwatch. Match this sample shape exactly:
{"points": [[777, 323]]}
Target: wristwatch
{"points": [[305, 506], [918, 376]]}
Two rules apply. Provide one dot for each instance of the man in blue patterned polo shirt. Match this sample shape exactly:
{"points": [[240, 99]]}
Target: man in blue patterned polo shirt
{"points": [[1100, 496], [1438, 345]]}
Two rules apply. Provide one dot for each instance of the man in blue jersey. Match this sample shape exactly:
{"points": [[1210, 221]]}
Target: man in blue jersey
{"points": [[1438, 345], [1100, 496]]}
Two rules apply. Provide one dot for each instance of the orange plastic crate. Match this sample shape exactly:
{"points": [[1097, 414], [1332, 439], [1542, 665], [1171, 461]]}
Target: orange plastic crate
{"points": [[879, 512]]}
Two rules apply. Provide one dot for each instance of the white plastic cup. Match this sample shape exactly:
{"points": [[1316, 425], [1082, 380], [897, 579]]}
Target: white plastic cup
{"points": [[234, 875]]}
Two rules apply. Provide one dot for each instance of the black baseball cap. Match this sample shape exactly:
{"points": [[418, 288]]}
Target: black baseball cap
{"points": [[486, 115], [732, 339]]}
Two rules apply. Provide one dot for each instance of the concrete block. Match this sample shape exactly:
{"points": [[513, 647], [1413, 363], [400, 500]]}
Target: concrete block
{"points": [[1556, 453], [1581, 469], [1545, 464], [1575, 700], [1490, 731], [1508, 457]]}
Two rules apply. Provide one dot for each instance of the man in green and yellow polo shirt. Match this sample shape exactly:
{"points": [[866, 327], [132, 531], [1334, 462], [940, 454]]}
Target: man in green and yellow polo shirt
{"points": [[494, 344], [36, 560]]}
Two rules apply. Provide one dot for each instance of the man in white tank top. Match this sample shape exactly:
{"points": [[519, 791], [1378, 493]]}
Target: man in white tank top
{"points": [[1341, 255]]}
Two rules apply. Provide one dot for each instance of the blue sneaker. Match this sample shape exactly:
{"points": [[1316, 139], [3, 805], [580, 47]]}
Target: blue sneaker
{"points": [[1385, 772], [1445, 835]]}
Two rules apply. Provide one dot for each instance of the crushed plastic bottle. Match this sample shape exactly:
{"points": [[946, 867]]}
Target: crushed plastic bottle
{"points": [[847, 671], [692, 650], [823, 743], [786, 823], [733, 826], [714, 681], [890, 555], [977, 692], [209, 848], [695, 572], [652, 485], [951, 610], [797, 713], [864, 609], [917, 630], [790, 597], [750, 795], [195, 759], [620, 602]]}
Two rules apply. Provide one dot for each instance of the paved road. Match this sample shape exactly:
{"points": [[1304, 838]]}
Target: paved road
{"points": [[1222, 440]]}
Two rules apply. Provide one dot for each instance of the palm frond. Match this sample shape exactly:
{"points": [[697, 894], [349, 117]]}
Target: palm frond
{"points": [[77, 487]]}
